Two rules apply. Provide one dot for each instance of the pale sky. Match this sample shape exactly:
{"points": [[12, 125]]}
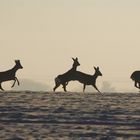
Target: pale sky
{"points": [[45, 34]]}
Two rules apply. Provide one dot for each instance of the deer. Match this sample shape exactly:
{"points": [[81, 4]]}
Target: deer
{"points": [[135, 76], [87, 79], [63, 79], [10, 74]]}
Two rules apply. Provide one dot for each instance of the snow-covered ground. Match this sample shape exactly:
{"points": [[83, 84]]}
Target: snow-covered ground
{"points": [[69, 116]]}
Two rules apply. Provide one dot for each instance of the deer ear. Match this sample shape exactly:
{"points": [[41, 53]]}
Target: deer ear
{"points": [[17, 61], [76, 58], [73, 59], [95, 68], [98, 68]]}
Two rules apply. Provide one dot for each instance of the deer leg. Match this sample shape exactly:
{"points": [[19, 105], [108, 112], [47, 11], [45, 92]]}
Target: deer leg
{"points": [[56, 86], [96, 88], [67, 83], [17, 80], [57, 83], [14, 83], [139, 85], [64, 87], [136, 85], [1, 87], [84, 88]]}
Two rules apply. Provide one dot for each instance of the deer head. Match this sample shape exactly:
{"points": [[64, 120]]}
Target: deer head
{"points": [[97, 71], [76, 63], [18, 65]]}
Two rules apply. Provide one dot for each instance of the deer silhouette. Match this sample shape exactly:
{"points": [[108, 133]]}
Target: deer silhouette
{"points": [[10, 74], [87, 79], [63, 79], [135, 76]]}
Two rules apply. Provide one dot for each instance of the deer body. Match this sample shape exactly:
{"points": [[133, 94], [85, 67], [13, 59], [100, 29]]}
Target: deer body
{"points": [[10, 74], [136, 78], [63, 79], [87, 79], [84, 78]]}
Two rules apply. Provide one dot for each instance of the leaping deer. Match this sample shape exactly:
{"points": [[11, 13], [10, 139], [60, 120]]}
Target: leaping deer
{"points": [[10, 74], [63, 79], [87, 79], [136, 78]]}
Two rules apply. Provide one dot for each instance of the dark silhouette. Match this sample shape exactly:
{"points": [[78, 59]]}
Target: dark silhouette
{"points": [[10, 74], [87, 79], [136, 78], [63, 79]]}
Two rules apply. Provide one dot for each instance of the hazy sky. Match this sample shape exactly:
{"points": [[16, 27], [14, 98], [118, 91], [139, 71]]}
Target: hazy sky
{"points": [[45, 34]]}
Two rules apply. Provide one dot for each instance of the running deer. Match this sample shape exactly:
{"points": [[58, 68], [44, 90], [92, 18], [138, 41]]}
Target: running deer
{"points": [[87, 79], [10, 74], [63, 79], [136, 78]]}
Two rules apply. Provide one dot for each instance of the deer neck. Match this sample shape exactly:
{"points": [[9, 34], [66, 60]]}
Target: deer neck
{"points": [[14, 69], [74, 68], [95, 76]]}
